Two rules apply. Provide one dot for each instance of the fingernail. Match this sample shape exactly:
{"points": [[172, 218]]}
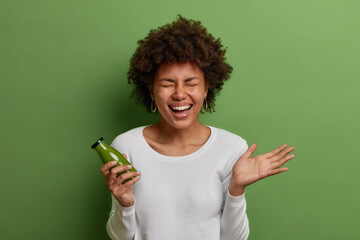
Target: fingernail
{"points": [[129, 166], [114, 162]]}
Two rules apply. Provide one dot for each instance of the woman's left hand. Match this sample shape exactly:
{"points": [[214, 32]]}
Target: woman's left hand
{"points": [[248, 170]]}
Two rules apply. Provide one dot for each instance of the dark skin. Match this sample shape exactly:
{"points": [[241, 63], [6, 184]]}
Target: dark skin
{"points": [[246, 171], [183, 85], [122, 192]]}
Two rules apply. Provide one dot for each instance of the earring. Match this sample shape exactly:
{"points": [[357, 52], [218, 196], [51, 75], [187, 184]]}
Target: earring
{"points": [[206, 106], [153, 105]]}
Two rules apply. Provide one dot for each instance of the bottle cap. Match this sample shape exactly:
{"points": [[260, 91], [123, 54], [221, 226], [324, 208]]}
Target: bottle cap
{"points": [[97, 142]]}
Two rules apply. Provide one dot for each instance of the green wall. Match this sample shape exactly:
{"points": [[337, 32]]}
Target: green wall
{"points": [[63, 71]]}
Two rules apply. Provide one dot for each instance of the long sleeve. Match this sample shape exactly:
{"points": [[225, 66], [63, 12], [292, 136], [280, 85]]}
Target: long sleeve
{"points": [[234, 221], [181, 197], [122, 222]]}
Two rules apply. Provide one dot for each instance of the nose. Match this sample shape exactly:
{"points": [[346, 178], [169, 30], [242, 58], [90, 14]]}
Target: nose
{"points": [[180, 92]]}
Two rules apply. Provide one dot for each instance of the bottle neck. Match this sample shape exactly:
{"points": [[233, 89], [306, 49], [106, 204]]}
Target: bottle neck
{"points": [[101, 147]]}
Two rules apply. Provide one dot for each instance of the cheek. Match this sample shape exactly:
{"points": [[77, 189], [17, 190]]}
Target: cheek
{"points": [[162, 97], [198, 95]]}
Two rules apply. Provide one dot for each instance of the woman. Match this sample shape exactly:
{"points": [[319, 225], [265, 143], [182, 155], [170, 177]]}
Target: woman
{"points": [[193, 179]]}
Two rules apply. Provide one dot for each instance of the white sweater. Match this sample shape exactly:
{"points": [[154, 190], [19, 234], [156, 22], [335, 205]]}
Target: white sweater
{"points": [[182, 197]]}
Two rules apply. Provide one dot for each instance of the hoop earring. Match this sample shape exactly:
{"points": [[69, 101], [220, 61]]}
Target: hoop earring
{"points": [[206, 106], [153, 105]]}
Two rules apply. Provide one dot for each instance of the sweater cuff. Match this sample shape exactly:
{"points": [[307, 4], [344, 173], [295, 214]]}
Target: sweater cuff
{"points": [[125, 211], [235, 201]]}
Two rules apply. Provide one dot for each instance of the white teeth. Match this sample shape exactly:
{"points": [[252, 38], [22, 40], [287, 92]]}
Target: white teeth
{"points": [[180, 108]]}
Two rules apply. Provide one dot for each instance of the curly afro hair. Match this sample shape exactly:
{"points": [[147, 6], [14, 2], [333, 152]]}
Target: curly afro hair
{"points": [[184, 40]]}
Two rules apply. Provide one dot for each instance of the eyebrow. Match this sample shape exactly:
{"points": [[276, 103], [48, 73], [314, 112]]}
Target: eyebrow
{"points": [[171, 80]]}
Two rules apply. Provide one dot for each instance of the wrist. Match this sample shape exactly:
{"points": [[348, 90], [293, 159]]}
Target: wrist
{"points": [[126, 203], [235, 189], [130, 204], [236, 192]]}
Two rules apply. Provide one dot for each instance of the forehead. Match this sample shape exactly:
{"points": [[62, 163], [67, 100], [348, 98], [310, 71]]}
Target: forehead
{"points": [[179, 70]]}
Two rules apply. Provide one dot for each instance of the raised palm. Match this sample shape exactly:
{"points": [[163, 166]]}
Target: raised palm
{"points": [[248, 170]]}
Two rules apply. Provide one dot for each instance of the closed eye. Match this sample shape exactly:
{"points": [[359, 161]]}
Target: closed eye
{"points": [[166, 82], [192, 82]]}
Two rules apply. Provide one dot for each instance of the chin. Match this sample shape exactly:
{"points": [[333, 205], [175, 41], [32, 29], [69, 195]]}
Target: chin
{"points": [[180, 124]]}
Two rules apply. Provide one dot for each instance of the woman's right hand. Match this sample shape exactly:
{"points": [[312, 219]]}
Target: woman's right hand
{"points": [[122, 192]]}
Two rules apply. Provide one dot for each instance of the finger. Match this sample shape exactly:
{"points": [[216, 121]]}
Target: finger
{"points": [[105, 168], [283, 153], [276, 151], [118, 183], [110, 178], [115, 173], [250, 151], [283, 161], [125, 156], [277, 171], [125, 176], [120, 169], [132, 181]]}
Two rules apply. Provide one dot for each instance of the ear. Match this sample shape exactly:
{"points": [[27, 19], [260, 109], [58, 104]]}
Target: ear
{"points": [[206, 90]]}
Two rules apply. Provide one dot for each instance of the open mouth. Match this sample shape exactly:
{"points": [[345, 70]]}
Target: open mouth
{"points": [[180, 109]]}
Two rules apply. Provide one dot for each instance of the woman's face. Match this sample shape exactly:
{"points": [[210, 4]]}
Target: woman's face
{"points": [[179, 90]]}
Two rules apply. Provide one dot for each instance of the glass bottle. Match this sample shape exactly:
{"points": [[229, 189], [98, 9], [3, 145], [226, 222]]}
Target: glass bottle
{"points": [[108, 154]]}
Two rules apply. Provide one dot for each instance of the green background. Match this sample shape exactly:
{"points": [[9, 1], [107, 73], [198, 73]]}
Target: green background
{"points": [[63, 71]]}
